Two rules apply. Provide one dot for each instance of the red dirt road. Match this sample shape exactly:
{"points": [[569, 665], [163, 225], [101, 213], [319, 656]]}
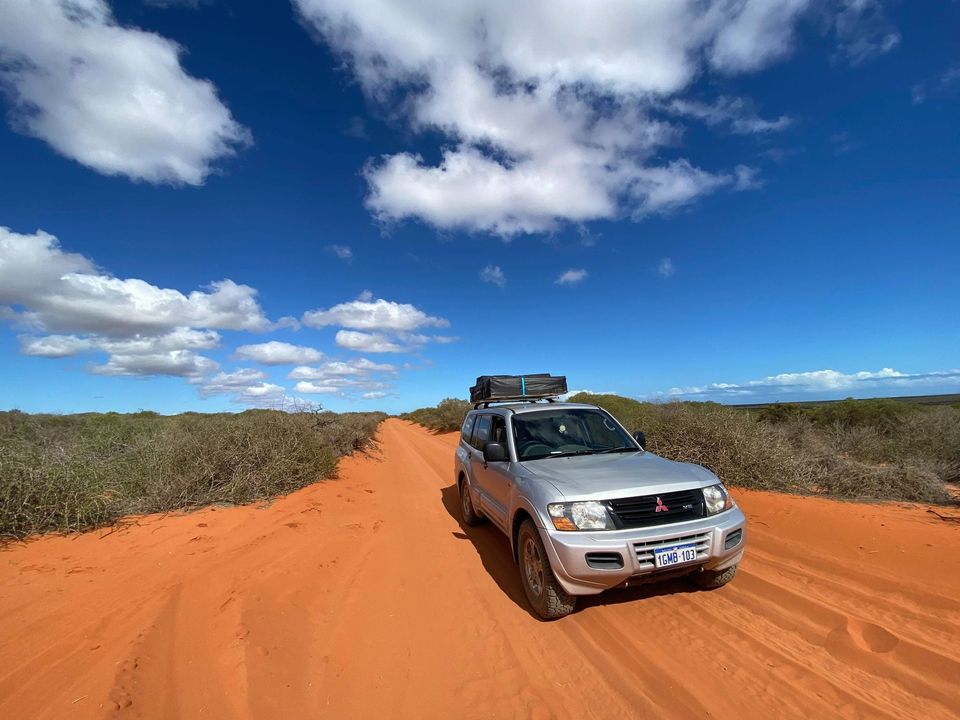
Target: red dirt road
{"points": [[363, 597]]}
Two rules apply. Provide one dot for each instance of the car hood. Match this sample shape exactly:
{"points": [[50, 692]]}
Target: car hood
{"points": [[602, 477]]}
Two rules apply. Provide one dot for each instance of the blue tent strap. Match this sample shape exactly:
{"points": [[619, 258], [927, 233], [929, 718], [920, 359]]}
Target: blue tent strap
{"points": [[523, 385]]}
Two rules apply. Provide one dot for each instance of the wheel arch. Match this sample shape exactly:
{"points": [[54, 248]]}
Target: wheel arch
{"points": [[519, 516]]}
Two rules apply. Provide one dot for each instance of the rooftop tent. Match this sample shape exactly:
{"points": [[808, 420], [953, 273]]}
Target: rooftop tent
{"points": [[494, 388]]}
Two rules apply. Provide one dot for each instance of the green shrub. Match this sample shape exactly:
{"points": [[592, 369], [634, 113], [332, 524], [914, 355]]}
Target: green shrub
{"points": [[79, 471], [447, 416]]}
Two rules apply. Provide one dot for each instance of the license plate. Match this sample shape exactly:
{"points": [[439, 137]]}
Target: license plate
{"points": [[676, 555]]}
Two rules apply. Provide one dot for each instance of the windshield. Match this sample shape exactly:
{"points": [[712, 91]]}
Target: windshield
{"points": [[580, 431]]}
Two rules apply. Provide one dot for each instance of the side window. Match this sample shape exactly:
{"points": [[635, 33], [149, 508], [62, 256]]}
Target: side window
{"points": [[481, 432], [467, 430], [498, 431]]}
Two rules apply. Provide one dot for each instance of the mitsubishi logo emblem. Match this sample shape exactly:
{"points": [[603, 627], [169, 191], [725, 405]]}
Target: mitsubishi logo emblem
{"points": [[661, 507]]}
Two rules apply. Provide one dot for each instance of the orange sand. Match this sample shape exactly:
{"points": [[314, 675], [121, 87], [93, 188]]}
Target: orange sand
{"points": [[363, 597]]}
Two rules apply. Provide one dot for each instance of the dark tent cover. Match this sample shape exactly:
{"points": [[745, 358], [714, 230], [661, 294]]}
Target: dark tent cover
{"points": [[490, 388]]}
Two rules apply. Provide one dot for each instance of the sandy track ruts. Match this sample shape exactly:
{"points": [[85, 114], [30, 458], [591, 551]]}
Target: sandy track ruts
{"points": [[363, 597]]}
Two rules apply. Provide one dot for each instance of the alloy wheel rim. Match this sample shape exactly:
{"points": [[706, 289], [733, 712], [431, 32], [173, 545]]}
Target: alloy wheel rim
{"points": [[467, 505], [533, 566]]}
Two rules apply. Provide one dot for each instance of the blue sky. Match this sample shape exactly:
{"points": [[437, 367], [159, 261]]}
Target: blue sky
{"points": [[209, 205]]}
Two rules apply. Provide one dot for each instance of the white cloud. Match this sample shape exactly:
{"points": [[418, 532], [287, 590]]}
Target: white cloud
{"points": [[339, 368], [343, 252], [65, 292], [752, 33], [735, 113], [493, 274], [374, 395], [571, 277], [311, 388], [816, 381], [864, 31], [369, 314], [941, 86], [278, 353], [246, 386], [71, 307], [171, 353], [549, 109], [665, 268], [113, 98], [369, 342], [179, 363]]}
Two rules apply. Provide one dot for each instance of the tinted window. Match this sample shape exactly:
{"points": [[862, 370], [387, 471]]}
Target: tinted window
{"points": [[467, 430], [569, 431], [481, 433]]}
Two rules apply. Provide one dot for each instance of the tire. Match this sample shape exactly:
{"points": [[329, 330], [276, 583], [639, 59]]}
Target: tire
{"points": [[710, 580], [546, 596], [468, 513]]}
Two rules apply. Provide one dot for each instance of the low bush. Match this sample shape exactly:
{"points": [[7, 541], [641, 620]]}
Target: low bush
{"points": [[865, 449], [447, 416], [79, 471]]}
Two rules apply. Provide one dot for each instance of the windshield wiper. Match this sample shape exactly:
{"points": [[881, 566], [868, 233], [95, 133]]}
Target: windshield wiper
{"points": [[625, 448], [569, 453]]}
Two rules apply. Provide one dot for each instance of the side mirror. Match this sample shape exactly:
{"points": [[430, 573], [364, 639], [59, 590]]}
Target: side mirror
{"points": [[494, 452], [641, 438]]}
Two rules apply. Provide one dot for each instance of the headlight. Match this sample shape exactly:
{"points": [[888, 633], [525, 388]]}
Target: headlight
{"points": [[589, 515], [717, 499]]}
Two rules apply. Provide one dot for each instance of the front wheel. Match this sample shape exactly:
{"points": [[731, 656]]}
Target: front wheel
{"points": [[547, 597], [710, 579]]}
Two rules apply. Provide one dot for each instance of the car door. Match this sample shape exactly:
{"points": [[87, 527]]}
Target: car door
{"points": [[483, 477], [498, 482]]}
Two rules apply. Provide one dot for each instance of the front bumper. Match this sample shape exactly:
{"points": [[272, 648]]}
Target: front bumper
{"points": [[568, 551]]}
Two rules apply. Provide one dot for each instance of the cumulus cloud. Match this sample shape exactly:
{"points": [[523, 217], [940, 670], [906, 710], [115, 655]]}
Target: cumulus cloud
{"points": [[817, 381], [366, 313], [665, 268], [552, 113], [113, 98], [63, 291], [179, 363], [245, 386], [71, 307], [493, 274], [369, 342], [278, 353], [571, 277], [345, 378], [172, 353], [360, 367]]}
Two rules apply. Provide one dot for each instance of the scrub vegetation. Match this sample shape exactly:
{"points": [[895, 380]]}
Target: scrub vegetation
{"points": [[74, 472], [859, 449]]}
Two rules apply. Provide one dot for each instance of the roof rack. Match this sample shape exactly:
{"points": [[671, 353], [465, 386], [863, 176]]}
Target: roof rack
{"points": [[517, 398]]}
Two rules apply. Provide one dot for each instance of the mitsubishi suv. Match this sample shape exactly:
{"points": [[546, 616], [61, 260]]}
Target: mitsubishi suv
{"points": [[587, 508]]}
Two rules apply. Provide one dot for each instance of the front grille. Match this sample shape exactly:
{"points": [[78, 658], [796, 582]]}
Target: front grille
{"points": [[645, 550], [642, 511]]}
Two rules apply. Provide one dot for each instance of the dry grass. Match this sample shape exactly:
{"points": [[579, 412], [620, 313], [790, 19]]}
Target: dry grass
{"points": [[858, 449], [80, 471]]}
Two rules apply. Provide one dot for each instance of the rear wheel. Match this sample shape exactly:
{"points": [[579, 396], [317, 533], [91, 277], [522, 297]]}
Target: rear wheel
{"points": [[710, 579], [467, 512], [547, 597]]}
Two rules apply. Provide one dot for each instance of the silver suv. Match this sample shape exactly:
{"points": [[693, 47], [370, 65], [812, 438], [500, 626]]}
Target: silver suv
{"points": [[586, 508]]}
